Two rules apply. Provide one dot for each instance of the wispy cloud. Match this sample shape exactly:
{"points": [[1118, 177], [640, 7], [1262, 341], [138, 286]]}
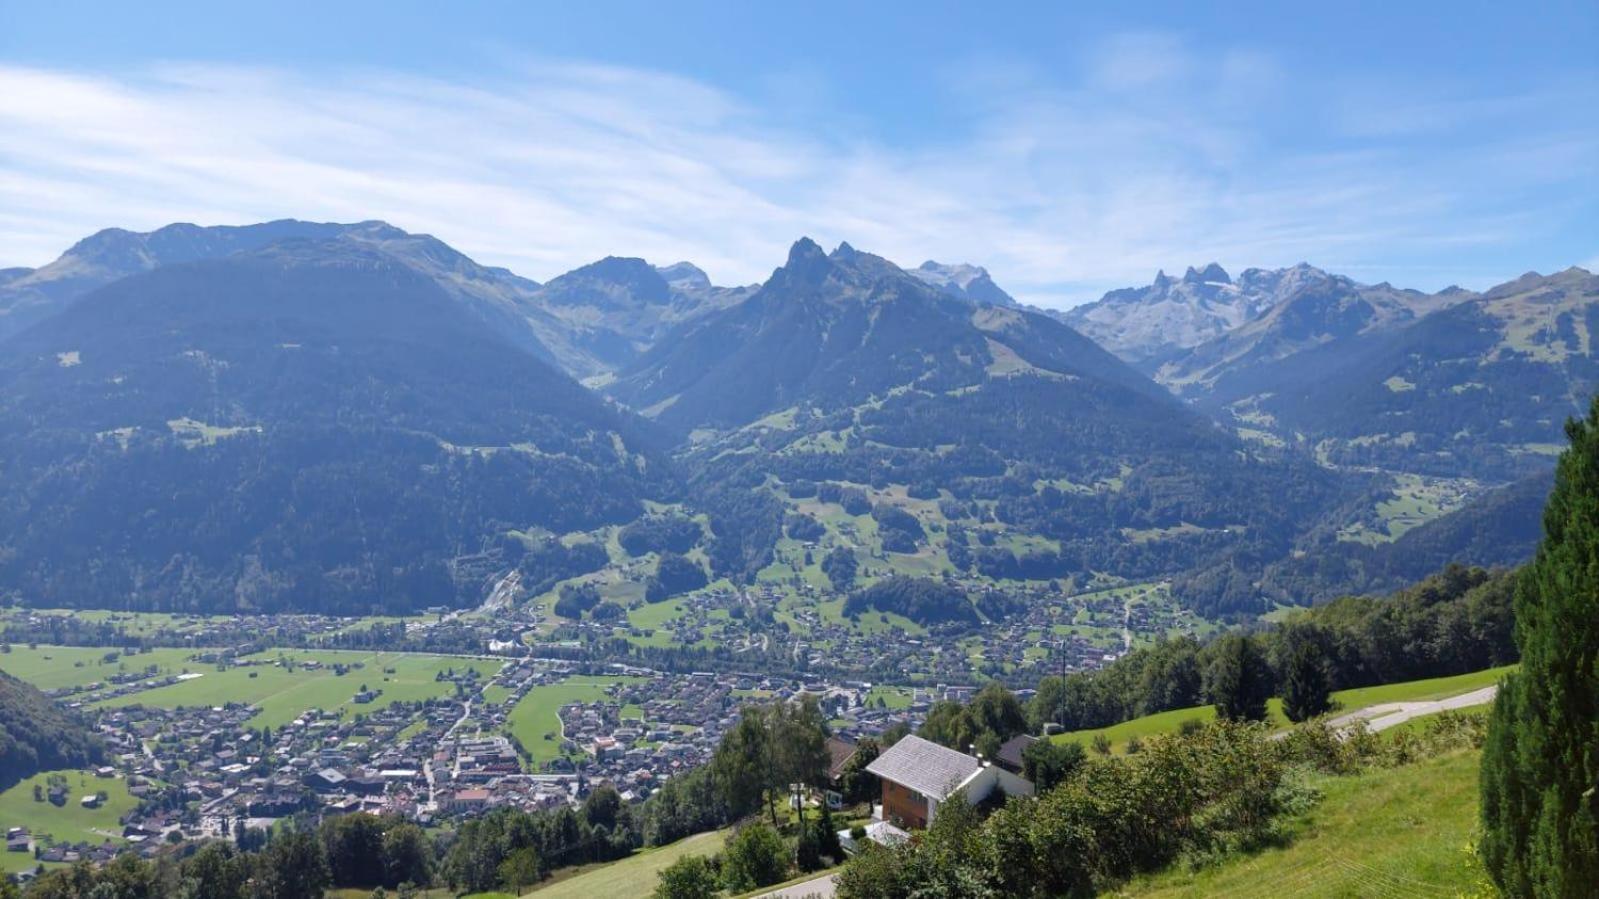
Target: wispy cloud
{"points": [[1153, 157]]}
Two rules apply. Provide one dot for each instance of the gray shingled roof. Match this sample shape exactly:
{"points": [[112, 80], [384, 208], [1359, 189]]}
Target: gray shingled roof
{"points": [[924, 766]]}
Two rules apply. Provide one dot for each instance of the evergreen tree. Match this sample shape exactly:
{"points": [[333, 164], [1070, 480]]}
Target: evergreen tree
{"points": [[1307, 691], [1238, 680], [1540, 765]]}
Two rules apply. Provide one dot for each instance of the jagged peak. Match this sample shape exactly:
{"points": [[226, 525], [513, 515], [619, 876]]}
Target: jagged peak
{"points": [[1211, 273], [684, 274], [805, 250]]}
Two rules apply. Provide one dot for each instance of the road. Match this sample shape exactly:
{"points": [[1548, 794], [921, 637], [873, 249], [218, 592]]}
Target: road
{"points": [[822, 887], [1393, 714], [427, 766]]}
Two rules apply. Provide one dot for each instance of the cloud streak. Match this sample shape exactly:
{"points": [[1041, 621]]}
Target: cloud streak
{"points": [[1149, 160]]}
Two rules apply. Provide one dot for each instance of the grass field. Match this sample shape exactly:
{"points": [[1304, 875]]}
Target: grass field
{"points": [[633, 876], [70, 823], [1388, 832], [1347, 701], [54, 667], [1420, 690], [281, 695], [536, 720]]}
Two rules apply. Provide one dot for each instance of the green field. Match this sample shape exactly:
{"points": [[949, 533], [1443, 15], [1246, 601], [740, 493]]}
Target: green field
{"points": [[536, 720], [71, 823], [1420, 690], [633, 876], [281, 695], [54, 667], [1347, 701], [1387, 832]]}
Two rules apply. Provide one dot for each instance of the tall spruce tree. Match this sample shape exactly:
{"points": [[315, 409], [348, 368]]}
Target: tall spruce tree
{"points": [[1540, 765], [1238, 679], [1307, 691]]}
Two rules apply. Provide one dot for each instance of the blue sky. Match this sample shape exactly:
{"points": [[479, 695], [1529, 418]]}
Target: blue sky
{"points": [[1069, 150]]}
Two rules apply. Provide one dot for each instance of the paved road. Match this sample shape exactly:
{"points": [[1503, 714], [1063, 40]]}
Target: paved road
{"points": [[822, 886], [1393, 714]]}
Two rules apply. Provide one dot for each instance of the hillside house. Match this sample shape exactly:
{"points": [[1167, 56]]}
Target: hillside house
{"points": [[918, 775]]}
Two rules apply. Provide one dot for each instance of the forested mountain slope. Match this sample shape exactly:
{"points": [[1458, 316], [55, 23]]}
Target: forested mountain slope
{"points": [[37, 735], [312, 425], [1480, 389], [979, 420]]}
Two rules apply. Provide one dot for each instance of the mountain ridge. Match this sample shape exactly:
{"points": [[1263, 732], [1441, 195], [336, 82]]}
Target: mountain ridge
{"points": [[322, 425]]}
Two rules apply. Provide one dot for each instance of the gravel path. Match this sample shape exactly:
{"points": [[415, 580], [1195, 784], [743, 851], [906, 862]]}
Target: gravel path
{"points": [[1393, 714]]}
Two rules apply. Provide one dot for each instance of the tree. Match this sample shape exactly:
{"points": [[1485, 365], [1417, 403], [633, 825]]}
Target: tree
{"points": [[407, 855], [1540, 764], [216, 870], [855, 782], [690, 877], [292, 866], [354, 848], [1238, 679], [799, 747], [742, 765], [520, 869], [840, 566], [755, 857], [1047, 763], [1306, 689]]}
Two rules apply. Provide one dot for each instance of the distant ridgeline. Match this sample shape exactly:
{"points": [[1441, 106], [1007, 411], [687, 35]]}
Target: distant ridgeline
{"points": [[37, 735], [351, 419]]}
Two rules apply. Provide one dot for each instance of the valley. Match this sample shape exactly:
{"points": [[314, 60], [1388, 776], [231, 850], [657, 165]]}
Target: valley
{"points": [[389, 532]]}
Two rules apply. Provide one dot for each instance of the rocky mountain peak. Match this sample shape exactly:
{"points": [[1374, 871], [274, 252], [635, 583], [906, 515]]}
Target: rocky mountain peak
{"points": [[1212, 274], [685, 276]]}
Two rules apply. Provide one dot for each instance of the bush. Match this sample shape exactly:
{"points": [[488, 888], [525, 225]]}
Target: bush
{"points": [[690, 877], [755, 857]]}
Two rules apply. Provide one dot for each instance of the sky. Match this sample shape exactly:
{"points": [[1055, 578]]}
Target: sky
{"points": [[1068, 150]]}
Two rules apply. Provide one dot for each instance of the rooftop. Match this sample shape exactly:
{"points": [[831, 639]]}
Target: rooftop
{"points": [[925, 766]]}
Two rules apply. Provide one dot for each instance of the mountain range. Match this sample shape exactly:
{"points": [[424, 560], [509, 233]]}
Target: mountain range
{"points": [[353, 418]]}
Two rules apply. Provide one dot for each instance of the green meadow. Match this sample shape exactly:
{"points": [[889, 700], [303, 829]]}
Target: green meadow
{"points": [[536, 720], [54, 667], [1403, 831], [282, 693], [70, 823]]}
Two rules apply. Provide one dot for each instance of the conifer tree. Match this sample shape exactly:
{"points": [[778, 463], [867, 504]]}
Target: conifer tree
{"points": [[1307, 691], [1540, 766], [1238, 679]]}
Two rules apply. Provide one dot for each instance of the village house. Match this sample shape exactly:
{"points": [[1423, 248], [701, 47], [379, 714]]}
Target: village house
{"points": [[918, 775]]}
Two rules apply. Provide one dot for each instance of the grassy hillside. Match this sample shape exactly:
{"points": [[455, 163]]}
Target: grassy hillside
{"points": [[1389, 832], [635, 875], [1347, 701]]}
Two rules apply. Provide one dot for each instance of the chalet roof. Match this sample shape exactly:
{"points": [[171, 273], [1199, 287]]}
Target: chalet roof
{"points": [[925, 766], [1010, 754], [839, 751]]}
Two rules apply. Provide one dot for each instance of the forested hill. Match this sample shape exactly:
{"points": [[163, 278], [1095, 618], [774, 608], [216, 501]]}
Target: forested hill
{"points": [[311, 424], [37, 735], [961, 421]]}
